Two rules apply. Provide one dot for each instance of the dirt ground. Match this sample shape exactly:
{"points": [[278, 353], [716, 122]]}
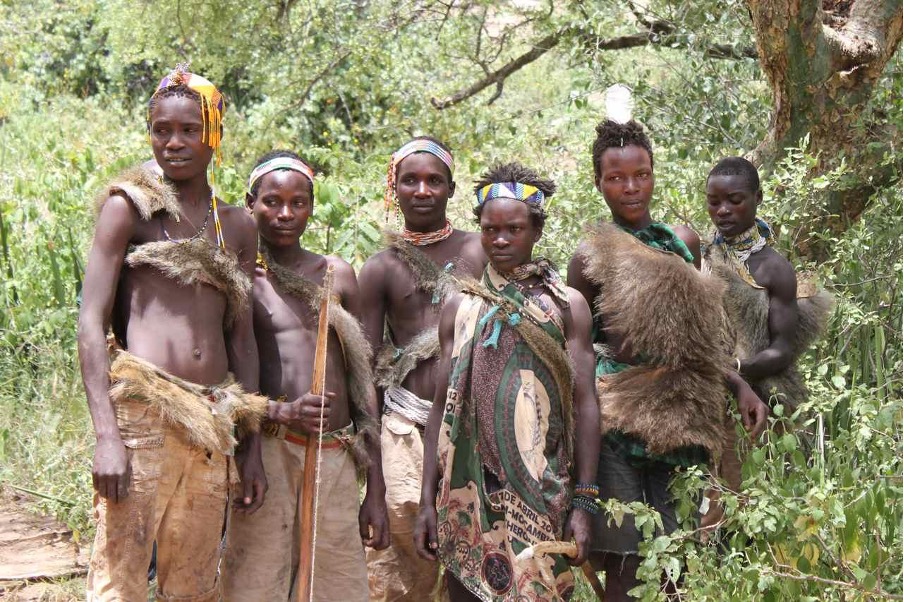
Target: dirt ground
{"points": [[39, 561]]}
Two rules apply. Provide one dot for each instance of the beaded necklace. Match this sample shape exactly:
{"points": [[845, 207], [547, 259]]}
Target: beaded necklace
{"points": [[218, 227], [422, 239]]}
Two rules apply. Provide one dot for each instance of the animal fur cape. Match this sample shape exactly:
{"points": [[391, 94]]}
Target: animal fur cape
{"points": [[671, 315], [393, 365], [206, 414], [355, 348], [187, 262], [147, 192], [747, 308]]}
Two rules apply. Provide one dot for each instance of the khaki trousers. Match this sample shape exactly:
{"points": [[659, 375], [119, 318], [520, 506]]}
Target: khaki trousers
{"points": [[261, 560], [178, 496], [398, 573]]}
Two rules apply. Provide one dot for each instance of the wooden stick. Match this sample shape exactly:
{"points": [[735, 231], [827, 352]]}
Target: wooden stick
{"points": [[311, 454], [567, 548], [594, 580]]}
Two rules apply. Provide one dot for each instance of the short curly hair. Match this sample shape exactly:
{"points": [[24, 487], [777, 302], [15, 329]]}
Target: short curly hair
{"points": [[610, 134], [516, 172], [737, 166]]}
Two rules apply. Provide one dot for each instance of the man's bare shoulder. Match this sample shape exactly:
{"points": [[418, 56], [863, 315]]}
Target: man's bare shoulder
{"points": [[344, 273], [773, 271], [470, 250], [340, 265], [260, 282], [234, 217], [118, 217], [687, 235], [381, 259]]}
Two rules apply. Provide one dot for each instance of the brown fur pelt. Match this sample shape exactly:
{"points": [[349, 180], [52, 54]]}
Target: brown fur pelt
{"points": [[670, 315], [147, 192], [207, 414], [748, 311], [428, 276], [393, 365], [194, 262], [546, 348], [355, 348]]}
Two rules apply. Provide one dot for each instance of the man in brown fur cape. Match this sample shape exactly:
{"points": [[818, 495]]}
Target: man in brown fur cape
{"points": [[264, 548], [774, 316], [663, 371], [169, 270], [404, 288]]}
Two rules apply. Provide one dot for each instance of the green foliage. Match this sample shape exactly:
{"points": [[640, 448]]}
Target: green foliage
{"points": [[345, 84]]}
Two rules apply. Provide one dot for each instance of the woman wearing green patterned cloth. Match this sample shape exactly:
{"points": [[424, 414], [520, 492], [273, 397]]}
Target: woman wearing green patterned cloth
{"points": [[663, 370], [512, 438]]}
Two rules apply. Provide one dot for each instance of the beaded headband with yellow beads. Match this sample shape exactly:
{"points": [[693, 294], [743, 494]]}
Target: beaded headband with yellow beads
{"points": [[213, 106], [511, 190], [418, 145]]}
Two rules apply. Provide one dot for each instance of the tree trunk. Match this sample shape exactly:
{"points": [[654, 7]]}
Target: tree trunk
{"points": [[822, 59]]}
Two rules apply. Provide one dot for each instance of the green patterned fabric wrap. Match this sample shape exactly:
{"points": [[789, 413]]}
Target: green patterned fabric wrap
{"points": [[503, 455], [658, 236]]}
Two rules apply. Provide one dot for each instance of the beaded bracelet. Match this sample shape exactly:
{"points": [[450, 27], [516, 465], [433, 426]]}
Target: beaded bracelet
{"points": [[590, 490], [582, 502]]}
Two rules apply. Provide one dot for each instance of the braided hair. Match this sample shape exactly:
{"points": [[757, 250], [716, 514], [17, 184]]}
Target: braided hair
{"points": [[611, 134]]}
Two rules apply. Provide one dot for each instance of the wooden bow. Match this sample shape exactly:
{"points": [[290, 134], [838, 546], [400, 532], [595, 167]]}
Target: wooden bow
{"points": [[310, 480]]}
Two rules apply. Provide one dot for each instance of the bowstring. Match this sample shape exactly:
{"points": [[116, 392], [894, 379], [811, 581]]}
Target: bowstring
{"points": [[317, 472]]}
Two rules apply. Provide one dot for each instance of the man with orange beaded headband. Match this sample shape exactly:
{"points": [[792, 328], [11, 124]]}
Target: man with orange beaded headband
{"points": [[169, 272], [405, 286]]}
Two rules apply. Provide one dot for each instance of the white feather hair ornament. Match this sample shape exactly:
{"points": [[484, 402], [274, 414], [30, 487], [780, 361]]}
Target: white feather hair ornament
{"points": [[619, 103]]}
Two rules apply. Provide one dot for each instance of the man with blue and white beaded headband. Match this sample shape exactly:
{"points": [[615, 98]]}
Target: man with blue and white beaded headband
{"points": [[512, 440]]}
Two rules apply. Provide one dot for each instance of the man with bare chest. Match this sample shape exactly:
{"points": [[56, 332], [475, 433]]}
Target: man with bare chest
{"points": [[264, 549], [169, 270], [405, 286], [773, 316]]}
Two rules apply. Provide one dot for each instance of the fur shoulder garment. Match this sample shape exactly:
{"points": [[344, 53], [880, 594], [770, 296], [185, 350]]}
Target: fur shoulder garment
{"points": [[429, 277], [394, 365], [147, 192], [194, 262], [747, 308], [188, 262], [671, 315], [355, 349]]}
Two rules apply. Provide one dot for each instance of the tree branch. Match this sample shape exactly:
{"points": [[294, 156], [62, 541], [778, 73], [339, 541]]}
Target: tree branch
{"points": [[870, 34], [659, 31], [499, 76]]}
